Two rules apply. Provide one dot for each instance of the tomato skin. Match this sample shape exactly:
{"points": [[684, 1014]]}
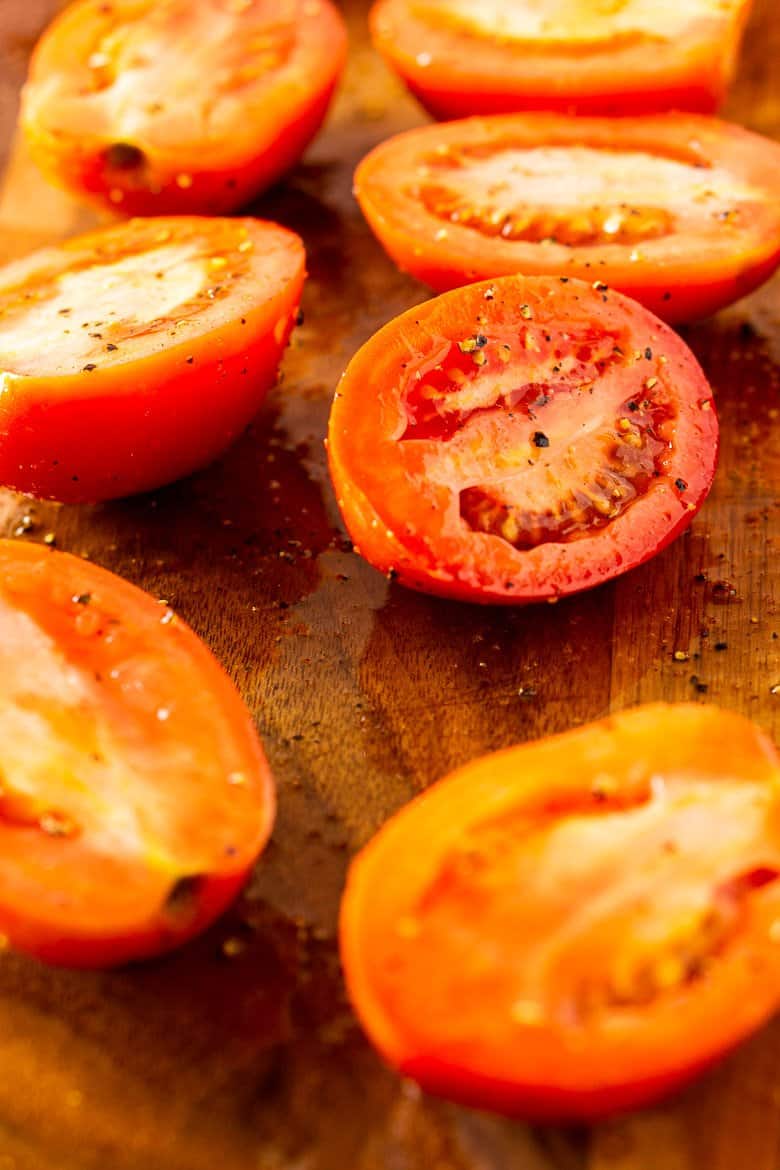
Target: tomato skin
{"points": [[403, 526], [457, 75], [704, 264], [434, 950], [182, 175], [158, 417], [62, 899]]}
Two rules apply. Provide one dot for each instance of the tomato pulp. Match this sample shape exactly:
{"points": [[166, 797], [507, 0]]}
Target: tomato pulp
{"points": [[194, 106], [162, 337], [520, 439], [577, 56], [135, 794], [579, 925], [678, 211]]}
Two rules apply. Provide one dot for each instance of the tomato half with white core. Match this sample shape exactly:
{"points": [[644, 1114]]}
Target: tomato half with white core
{"points": [[134, 794], [194, 106], [678, 211], [576, 926], [134, 355], [520, 440], [462, 57]]}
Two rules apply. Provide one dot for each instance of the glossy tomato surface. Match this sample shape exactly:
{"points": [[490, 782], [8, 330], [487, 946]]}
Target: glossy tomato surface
{"points": [[193, 106], [462, 57], [575, 926], [135, 793], [134, 355], [519, 440], [679, 211]]}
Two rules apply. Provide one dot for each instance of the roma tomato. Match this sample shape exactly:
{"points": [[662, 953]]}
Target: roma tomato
{"points": [[195, 106], [679, 211], [519, 440], [136, 354], [577, 56], [135, 794], [575, 926]]}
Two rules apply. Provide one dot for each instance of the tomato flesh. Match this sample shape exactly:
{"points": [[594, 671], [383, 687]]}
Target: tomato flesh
{"points": [[158, 338], [572, 927], [162, 106], [615, 57], [519, 440], [677, 211], [134, 794]]}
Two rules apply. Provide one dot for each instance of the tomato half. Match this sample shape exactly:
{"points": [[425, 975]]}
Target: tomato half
{"points": [[579, 925], [464, 57], [133, 355], [519, 440], [678, 211], [159, 106], [135, 796]]}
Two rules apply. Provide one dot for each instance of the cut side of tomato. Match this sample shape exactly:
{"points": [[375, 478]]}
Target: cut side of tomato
{"points": [[134, 355], [462, 57], [575, 926], [519, 440], [678, 211], [194, 106], [134, 794]]}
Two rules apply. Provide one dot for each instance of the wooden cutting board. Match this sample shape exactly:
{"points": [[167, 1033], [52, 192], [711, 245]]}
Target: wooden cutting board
{"points": [[240, 1052]]}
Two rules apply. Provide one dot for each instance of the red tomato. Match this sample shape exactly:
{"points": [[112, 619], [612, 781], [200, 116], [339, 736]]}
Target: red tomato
{"points": [[678, 211], [575, 926], [520, 440], [499, 56], [159, 106], [133, 355], [135, 794]]}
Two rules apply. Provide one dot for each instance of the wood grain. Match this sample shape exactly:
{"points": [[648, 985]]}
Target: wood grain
{"points": [[364, 694]]}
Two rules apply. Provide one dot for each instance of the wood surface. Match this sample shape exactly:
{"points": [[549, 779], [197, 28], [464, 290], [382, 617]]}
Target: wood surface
{"points": [[240, 1052]]}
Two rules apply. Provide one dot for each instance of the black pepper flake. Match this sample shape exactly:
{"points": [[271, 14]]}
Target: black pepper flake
{"points": [[89, 367], [189, 360], [633, 406], [721, 645], [82, 599], [648, 353], [539, 439], [700, 687], [111, 347], [680, 484], [564, 279]]}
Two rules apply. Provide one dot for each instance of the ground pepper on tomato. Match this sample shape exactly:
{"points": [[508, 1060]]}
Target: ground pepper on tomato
{"points": [[549, 467]]}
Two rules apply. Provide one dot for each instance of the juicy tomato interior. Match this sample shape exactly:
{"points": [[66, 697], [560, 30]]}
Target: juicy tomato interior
{"points": [[162, 336], [521, 439], [156, 106], [134, 795], [577, 925], [610, 57], [678, 211]]}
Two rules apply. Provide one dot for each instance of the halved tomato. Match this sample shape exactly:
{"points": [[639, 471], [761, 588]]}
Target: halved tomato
{"points": [[133, 355], [159, 106], [519, 440], [464, 57], [579, 925], [676, 210], [134, 794]]}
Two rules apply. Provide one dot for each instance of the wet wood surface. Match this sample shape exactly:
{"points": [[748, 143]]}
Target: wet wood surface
{"points": [[240, 1052]]}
